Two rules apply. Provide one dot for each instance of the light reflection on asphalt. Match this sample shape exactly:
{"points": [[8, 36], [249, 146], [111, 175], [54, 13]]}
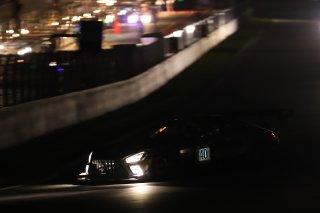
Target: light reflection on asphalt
{"points": [[138, 192]]}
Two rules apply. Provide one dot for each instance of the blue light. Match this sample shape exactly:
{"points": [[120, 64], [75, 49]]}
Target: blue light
{"points": [[60, 69]]}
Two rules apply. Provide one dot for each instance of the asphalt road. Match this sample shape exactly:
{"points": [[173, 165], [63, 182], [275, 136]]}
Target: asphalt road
{"points": [[276, 71]]}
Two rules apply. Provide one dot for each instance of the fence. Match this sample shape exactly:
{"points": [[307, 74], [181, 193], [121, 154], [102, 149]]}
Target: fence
{"points": [[36, 76]]}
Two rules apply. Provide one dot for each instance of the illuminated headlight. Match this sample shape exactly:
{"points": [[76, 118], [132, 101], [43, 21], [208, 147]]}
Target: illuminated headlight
{"points": [[136, 170], [135, 158], [86, 170], [133, 19], [89, 158]]}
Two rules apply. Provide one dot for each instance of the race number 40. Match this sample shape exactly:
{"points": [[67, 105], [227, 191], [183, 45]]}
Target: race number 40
{"points": [[204, 154]]}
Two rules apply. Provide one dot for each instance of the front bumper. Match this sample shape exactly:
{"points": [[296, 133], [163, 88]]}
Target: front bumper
{"points": [[112, 170]]}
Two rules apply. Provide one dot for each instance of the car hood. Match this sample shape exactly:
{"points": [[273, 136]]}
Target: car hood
{"points": [[118, 151]]}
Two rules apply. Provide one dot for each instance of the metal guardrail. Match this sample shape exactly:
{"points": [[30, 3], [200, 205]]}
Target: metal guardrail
{"points": [[35, 76]]}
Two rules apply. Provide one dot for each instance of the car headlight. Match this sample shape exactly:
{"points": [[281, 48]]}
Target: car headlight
{"points": [[136, 170], [86, 170], [136, 157], [89, 158]]}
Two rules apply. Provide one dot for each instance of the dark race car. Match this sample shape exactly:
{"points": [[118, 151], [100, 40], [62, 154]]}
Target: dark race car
{"points": [[182, 146]]}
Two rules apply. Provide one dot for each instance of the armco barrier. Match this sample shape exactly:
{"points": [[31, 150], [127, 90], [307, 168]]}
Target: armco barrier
{"points": [[22, 122]]}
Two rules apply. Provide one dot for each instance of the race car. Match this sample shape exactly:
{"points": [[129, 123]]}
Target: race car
{"points": [[181, 146]]}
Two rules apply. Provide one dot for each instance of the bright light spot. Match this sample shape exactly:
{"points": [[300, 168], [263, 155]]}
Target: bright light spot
{"points": [[141, 192], [110, 2], [132, 19], [55, 23], [20, 61], [141, 188], [162, 129], [159, 2], [1, 47], [177, 33], [10, 31], [146, 18], [66, 18], [122, 12], [135, 158], [24, 51], [87, 169], [24, 31], [75, 18], [109, 18], [97, 11], [15, 35], [87, 15], [60, 69], [21, 52], [28, 49], [136, 170], [89, 158], [190, 28], [52, 64], [183, 151], [107, 2]]}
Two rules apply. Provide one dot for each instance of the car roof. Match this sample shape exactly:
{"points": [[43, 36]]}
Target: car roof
{"points": [[180, 122]]}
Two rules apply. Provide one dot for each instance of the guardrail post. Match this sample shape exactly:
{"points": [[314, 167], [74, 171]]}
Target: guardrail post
{"points": [[175, 41], [211, 22], [189, 32], [201, 30], [221, 18], [125, 60]]}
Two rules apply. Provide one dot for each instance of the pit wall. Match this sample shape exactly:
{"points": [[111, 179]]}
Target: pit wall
{"points": [[23, 122]]}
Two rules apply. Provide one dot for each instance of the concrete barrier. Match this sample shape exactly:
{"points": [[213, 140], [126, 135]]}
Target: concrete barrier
{"points": [[26, 121]]}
